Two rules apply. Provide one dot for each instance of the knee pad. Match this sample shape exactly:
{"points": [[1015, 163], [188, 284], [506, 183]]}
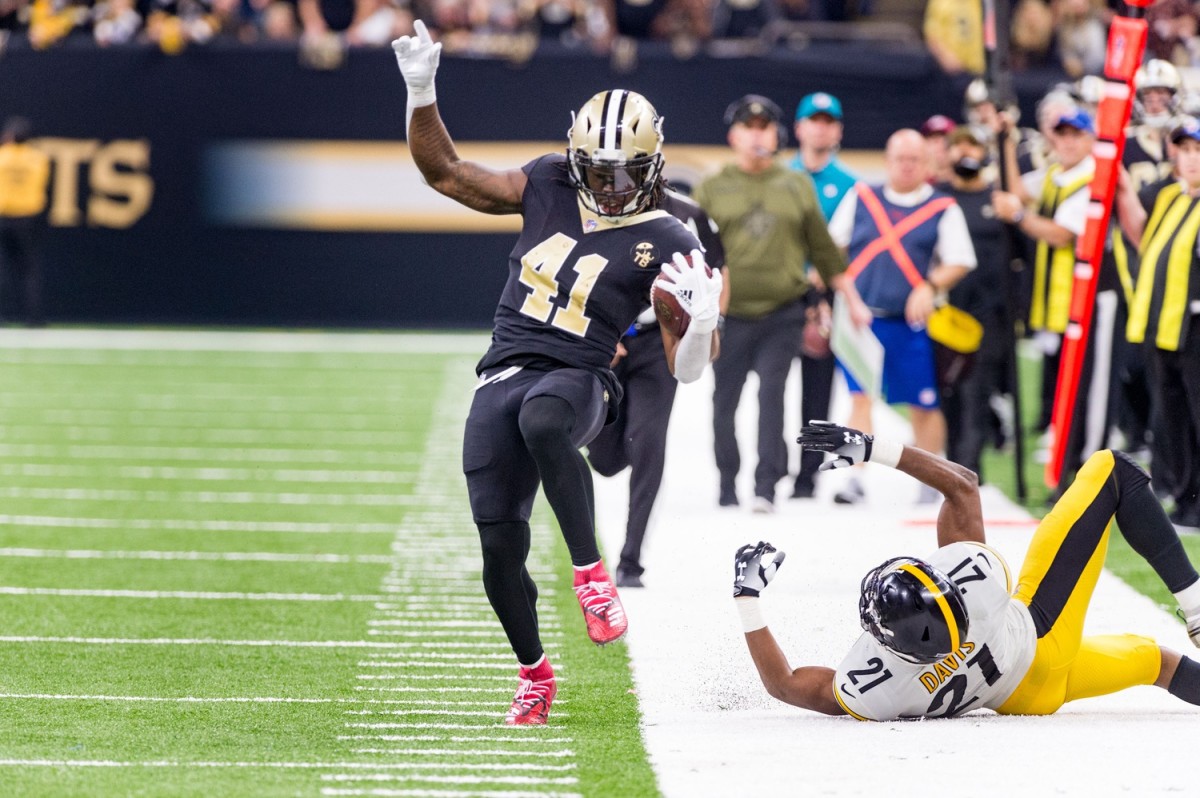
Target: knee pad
{"points": [[504, 541], [546, 421]]}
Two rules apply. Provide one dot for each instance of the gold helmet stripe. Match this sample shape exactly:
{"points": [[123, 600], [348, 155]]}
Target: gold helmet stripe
{"points": [[940, 598]]}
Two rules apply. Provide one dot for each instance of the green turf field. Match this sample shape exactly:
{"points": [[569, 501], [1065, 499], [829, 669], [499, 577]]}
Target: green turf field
{"points": [[254, 573]]}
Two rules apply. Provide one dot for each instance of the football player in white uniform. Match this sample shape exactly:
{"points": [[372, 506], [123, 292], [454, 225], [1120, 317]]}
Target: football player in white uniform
{"points": [[951, 633]]}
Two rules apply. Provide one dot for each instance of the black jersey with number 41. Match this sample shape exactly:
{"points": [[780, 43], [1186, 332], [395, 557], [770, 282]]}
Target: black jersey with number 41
{"points": [[576, 281]]}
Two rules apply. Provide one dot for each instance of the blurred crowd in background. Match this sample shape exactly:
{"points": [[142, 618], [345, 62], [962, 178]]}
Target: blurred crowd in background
{"points": [[1067, 34]]}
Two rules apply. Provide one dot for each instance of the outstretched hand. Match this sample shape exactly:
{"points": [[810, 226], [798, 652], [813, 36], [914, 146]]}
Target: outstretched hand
{"points": [[750, 574], [849, 445], [418, 59]]}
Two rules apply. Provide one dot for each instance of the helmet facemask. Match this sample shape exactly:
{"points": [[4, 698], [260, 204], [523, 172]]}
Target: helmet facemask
{"points": [[913, 610], [614, 156]]}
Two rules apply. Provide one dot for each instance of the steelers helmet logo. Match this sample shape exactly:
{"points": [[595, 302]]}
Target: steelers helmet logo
{"points": [[644, 254]]}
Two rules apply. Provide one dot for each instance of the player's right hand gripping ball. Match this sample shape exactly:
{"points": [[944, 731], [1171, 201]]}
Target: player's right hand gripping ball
{"points": [[687, 290], [750, 573]]}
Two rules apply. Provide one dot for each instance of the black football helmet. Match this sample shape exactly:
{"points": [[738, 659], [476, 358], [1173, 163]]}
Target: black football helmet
{"points": [[913, 610], [614, 153]]}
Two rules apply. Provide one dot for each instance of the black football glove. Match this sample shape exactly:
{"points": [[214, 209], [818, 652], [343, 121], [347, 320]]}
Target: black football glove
{"points": [[750, 574], [850, 445]]}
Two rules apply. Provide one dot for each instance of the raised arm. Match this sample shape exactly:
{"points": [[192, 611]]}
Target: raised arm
{"points": [[472, 184], [809, 687], [961, 516]]}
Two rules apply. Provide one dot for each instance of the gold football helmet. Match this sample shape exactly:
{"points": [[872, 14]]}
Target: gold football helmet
{"points": [[1157, 111], [614, 153]]}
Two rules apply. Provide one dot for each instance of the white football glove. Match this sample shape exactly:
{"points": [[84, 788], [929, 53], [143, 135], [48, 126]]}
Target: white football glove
{"points": [[750, 574], [418, 58], [698, 293], [850, 445]]}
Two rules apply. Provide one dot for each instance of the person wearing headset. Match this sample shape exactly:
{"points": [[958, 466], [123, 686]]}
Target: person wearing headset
{"points": [[772, 227]]}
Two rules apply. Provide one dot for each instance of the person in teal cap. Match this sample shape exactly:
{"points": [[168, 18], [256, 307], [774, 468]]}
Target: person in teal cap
{"points": [[819, 130]]}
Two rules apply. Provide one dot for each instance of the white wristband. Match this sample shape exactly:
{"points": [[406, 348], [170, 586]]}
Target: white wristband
{"points": [[751, 611], [886, 452], [419, 98]]}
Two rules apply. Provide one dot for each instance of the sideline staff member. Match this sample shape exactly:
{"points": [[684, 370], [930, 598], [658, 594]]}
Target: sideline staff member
{"points": [[771, 226], [24, 175]]}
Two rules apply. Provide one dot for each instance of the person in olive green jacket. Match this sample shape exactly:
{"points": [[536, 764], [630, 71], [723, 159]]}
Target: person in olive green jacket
{"points": [[771, 226]]}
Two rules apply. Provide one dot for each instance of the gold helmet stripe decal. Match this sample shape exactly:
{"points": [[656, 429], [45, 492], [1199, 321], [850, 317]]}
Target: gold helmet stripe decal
{"points": [[940, 598]]}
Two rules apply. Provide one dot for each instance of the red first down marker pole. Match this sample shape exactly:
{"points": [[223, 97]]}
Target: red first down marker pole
{"points": [[1126, 43]]}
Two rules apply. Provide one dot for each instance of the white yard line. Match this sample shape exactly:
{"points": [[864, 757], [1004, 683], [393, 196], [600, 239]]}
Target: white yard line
{"points": [[196, 641], [169, 473], [198, 556], [225, 454], [712, 731], [233, 341], [179, 525], [209, 497], [188, 595]]}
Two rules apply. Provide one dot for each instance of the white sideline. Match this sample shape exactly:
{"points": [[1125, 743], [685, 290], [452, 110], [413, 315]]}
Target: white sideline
{"points": [[709, 726], [190, 595], [244, 341]]}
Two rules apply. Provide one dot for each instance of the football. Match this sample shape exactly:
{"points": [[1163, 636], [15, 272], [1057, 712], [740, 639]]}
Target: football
{"points": [[667, 309]]}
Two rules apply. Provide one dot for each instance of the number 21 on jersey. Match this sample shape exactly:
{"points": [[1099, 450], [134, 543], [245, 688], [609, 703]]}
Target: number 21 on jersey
{"points": [[539, 271]]}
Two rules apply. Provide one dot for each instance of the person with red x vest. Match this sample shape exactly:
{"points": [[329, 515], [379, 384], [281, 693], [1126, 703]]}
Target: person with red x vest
{"points": [[907, 243]]}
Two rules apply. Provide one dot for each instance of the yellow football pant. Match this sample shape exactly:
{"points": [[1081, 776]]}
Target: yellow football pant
{"points": [[1056, 583]]}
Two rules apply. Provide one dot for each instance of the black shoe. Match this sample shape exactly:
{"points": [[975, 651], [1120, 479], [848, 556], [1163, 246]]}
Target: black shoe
{"points": [[728, 498], [628, 578], [804, 490]]}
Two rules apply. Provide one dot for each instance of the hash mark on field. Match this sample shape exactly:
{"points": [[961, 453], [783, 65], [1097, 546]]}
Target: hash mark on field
{"points": [[198, 556], [180, 594], [349, 777], [448, 793], [451, 751], [526, 735]]}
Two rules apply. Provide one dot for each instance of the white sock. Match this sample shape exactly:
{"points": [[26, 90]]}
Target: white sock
{"points": [[541, 659], [586, 567], [1189, 599]]}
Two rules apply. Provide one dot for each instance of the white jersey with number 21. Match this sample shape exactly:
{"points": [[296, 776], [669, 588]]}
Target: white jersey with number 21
{"points": [[872, 683]]}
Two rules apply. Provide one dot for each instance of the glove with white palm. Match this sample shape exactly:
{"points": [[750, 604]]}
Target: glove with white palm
{"points": [[750, 574], [697, 287], [418, 58]]}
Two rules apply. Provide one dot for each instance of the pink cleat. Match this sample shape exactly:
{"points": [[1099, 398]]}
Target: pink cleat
{"points": [[606, 621], [535, 693]]}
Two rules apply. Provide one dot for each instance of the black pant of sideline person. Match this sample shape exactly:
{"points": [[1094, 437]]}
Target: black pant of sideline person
{"points": [[638, 439], [816, 391], [21, 269], [1177, 385], [766, 346]]}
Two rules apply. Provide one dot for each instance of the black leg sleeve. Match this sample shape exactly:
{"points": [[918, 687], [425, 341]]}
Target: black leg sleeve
{"points": [[1185, 684], [509, 587], [546, 423], [1145, 525]]}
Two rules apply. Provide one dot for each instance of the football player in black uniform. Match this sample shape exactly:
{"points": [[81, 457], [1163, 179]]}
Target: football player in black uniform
{"points": [[638, 438], [592, 243]]}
